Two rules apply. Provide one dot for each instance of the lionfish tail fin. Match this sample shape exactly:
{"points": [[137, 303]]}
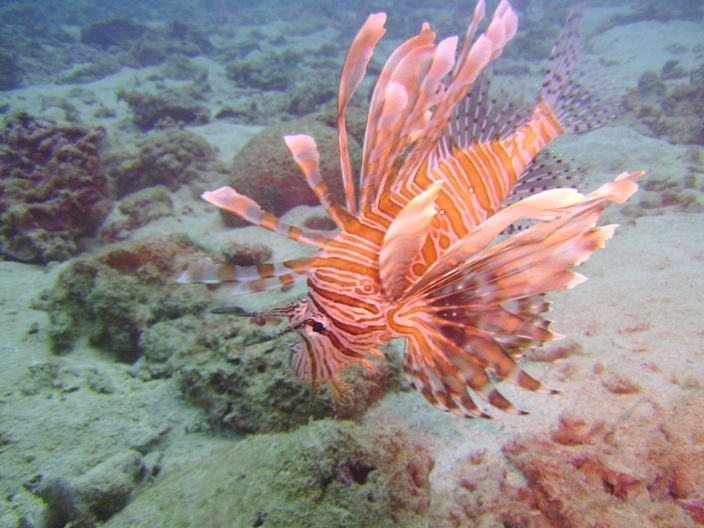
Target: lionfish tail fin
{"points": [[578, 95], [471, 320]]}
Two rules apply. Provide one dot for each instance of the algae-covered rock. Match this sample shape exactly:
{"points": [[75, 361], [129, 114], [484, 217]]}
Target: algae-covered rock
{"points": [[126, 300], [676, 114], [167, 157], [137, 210], [641, 471], [328, 474], [85, 501], [116, 294], [266, 71], [250, 388], [151, 110], [117, 32], [52, 188], [10, 72]]}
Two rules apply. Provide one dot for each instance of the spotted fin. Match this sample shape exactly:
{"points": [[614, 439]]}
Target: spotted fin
{"points": [[470, 318], [577, 93]]}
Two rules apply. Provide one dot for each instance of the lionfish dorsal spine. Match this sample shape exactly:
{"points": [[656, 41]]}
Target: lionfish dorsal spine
{"points": [[305, 154], [228, 199], [353, 71]]}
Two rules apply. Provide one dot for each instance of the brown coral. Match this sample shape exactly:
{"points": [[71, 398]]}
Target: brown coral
{"points": [[265, 171], [52, 188]]}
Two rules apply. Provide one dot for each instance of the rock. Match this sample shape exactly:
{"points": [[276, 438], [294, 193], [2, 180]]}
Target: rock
{"points": [[116, 294], [151, 110], [52, 188], [135, 211], [621, 474], [649, 83], [169, 157], [86, 501], [267, 71], [265, 171], [325, 474], [10, 72], [672, 70], [114, 32]]}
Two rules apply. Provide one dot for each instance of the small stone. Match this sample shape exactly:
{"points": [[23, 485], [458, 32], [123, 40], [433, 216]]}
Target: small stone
{"points": [[619, 384]]}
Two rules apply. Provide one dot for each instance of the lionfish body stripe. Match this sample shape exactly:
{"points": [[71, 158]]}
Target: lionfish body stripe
{"points": [[417, 256]]}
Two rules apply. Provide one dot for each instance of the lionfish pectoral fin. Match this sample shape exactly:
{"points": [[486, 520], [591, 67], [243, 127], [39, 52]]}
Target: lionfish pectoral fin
{"points": [[471, 319], [404, 238], [247, 279], [543, 206], [230, 200]]}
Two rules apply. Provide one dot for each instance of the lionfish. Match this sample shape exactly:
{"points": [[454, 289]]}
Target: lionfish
{"points": [[423, 253]]}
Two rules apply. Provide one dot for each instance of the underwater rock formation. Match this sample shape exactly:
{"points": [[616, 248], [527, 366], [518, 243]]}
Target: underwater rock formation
{"points": [[118, 293], [251, 389], [168, 157], [116, 32], [145, 46], [10, 72], [651, 468], [151, 110], [641, 470], [325, 474], [52, 188], [265, 171], [266, 71], [125, 300], [92, 498], [137, 210], [676, 113]]}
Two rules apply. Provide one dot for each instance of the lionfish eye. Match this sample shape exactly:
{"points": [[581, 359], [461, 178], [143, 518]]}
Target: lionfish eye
{"points": [[318, 327]]}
